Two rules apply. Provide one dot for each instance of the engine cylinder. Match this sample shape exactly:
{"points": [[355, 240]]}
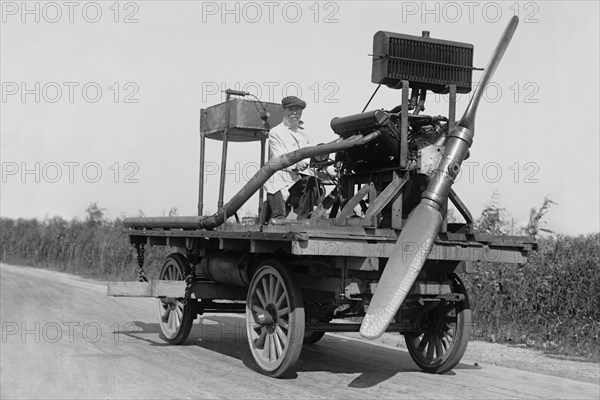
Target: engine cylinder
{"points": [[380, 153]]}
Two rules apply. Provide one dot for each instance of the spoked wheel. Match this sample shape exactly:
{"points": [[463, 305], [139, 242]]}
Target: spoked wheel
{"points": [[175, 317], [444, 334], [274, 319]]}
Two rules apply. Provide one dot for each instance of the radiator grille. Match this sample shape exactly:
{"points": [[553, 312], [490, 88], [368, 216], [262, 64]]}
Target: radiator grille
{"points": [[427, 63]]}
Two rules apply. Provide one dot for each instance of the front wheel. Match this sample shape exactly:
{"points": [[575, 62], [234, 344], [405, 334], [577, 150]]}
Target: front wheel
{"points": [[274, 319], [443, 334]]}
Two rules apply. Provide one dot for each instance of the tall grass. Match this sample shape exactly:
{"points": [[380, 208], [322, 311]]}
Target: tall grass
{"points": [[95, 248], [551, 302]]}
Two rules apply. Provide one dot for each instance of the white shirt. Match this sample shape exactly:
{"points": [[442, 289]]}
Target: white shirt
{"points": [[282, 140]]}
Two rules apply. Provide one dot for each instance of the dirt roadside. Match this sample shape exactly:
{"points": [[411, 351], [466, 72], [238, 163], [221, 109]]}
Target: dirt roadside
{"points": [[517, 357]]}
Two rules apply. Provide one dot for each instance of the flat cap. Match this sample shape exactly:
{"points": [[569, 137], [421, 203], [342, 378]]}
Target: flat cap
{"points": [[291, 101]]}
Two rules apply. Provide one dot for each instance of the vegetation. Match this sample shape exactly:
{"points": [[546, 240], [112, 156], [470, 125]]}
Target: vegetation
{"points": [[551, 302]]}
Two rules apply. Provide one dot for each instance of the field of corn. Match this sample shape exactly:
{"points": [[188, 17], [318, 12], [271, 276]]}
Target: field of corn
{"points": [[551, 302]]}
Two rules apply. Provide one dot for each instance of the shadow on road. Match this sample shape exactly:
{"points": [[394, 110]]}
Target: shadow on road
{"points": [[334, 353]]}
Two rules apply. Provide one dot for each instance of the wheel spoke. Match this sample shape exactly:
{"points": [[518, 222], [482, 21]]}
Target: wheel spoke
{"points": [[280, 299], [423, 343], [282, 324], [284, 311], [177, 319], [171, 323], [261, 298], [272, 352], [265, 290], [267, 348], [282, 336], [272, 288], [430, 347], [167, 313], [278, 345], [278, 293], [438, 347], [445, 343]]}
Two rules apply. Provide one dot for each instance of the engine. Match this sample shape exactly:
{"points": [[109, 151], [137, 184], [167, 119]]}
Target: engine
{"points": [[425, 139]]}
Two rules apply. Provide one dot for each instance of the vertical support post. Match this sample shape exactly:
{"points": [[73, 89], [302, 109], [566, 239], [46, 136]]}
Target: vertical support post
{"points": [[224, 153], [397, 209], [451, 126], [404, 127], [452, 108], [263, 145], [201, 168]]}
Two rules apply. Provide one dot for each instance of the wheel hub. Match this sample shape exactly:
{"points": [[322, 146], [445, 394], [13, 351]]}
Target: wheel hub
{"points": [[268, 318]]}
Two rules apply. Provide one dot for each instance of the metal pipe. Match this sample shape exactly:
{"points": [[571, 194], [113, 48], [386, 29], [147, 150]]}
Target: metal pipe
{"points": [[224, 152], [263, 145], [251, 187], [201, 178]]}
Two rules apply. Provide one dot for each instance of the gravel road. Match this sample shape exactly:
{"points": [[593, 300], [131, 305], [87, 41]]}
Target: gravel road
{"points": [[62, 337]]}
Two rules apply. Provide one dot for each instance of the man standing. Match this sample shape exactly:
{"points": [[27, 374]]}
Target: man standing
{"points": [[286, 137]]}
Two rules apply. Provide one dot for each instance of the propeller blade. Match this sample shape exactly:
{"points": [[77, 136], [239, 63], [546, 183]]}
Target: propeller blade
{"points": [[424, 222]]}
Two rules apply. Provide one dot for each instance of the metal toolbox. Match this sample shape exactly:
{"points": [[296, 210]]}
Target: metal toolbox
{"points": [[242, 117]]}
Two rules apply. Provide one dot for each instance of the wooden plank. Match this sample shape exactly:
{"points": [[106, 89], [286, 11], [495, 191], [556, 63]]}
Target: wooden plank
{"points": [[460, 206], [353, 202], [176, 289], [154, 288], [439, 251], [385, 197], [269, 246], [234, 244], [397, 210]]}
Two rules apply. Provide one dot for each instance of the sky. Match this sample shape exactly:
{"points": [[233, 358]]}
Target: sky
{"points": [[101, 100]]}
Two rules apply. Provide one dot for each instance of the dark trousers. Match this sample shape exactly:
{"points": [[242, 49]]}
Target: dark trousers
{"points": [[303, 198]]}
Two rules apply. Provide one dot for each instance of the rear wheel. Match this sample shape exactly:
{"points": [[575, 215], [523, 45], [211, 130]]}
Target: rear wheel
{"points": [[443, 333], [175, 315], [274, 319]]}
